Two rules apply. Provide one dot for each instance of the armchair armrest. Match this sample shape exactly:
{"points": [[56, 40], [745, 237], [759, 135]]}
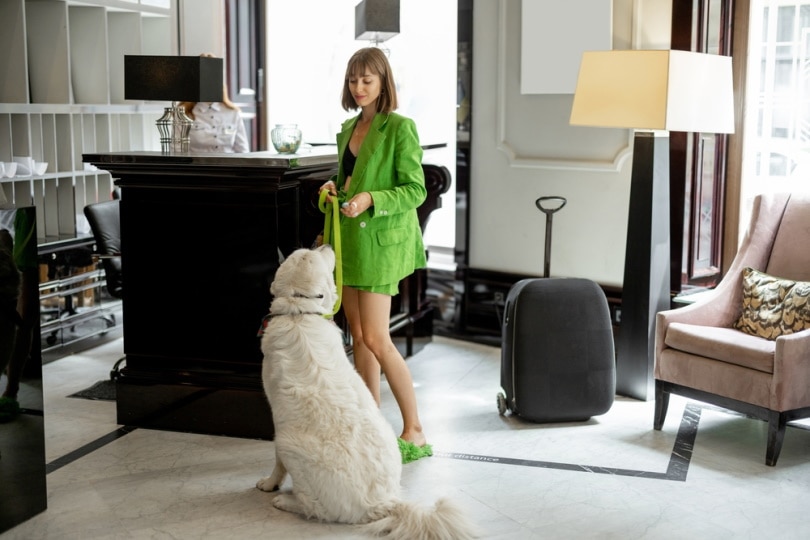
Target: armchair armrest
{"points": [[791, 371], [719, 310]]}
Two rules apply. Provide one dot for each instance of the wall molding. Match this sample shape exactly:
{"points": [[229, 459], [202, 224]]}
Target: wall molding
{"points": [[540, 162]]}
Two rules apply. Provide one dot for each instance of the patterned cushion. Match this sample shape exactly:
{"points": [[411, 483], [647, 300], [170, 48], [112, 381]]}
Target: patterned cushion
{"points": [[773, 306]]}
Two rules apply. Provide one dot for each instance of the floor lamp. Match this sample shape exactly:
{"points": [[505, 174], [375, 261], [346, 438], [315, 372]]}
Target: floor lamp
{"points": [[652, 92]]}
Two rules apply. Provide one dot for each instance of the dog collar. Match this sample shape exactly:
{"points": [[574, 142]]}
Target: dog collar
{"points": [[266, 319]]}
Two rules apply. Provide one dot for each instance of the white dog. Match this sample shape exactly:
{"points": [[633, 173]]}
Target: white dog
{"points": [[330, 436]]}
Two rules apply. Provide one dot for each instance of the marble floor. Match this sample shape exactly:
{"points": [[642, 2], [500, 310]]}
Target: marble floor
{"points": [[702, 476]]}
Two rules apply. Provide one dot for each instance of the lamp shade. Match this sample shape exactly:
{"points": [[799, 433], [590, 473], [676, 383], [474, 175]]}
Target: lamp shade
{"points": [[173, 78], [655, 89], [376, 20]]}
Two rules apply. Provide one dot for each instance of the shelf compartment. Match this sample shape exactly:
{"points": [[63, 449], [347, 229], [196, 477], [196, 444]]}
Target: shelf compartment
{"points": [[20, 135], [165, 4], [88, 54], [156, 38], [124, 37], [45, 197], [102, 139], [145, 133], [122, 133], [77, 136], [48, 62], [20, 194], [48, 138], [89, 189], [13, 62], [85, 136], [63, 152], [65, 203], [35, 127], [5, 137]]}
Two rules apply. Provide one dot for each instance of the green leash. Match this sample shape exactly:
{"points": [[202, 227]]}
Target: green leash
{"points": [[331, 236]]}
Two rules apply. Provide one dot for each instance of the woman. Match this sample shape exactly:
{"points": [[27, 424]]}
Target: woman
{"points": [[380, 184], [218, 126]]}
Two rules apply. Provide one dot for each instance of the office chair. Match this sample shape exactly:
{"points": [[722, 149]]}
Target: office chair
{"points": [[105, 223]]}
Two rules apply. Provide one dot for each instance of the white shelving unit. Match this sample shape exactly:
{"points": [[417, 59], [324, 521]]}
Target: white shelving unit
{"points": [[62, 95]]}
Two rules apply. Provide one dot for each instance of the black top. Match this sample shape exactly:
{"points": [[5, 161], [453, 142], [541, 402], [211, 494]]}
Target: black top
{"points": [[348, 162]]}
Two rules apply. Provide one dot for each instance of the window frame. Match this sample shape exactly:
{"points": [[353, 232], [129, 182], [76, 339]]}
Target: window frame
{"points": [[698, 176]]}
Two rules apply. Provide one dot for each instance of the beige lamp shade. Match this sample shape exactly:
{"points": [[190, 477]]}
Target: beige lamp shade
{"points": [[655, 89]]}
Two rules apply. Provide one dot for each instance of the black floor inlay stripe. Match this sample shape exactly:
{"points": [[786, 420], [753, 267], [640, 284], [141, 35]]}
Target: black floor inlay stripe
{"points": [[87, 448], [676, 470]]}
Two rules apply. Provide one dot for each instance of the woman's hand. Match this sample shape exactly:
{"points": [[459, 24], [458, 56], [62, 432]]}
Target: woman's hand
{"points": [[330, 188], [357, 205]]}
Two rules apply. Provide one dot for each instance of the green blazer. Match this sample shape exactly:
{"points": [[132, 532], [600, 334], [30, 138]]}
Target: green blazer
{"points": [[383, 245]]}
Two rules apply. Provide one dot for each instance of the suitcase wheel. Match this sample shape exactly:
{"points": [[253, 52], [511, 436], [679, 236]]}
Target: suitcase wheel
{"points": [[501, 403]]}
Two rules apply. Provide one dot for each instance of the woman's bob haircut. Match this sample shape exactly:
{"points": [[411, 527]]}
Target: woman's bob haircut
{"points": [[370, 60]]}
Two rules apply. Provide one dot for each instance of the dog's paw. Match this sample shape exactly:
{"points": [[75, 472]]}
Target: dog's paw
{"points": [[288, 502], [267, 484]]}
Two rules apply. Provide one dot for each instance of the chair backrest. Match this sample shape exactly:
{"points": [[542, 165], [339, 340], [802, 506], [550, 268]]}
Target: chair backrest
{"points": [[437, 182], [789, 256], [105, 222]]}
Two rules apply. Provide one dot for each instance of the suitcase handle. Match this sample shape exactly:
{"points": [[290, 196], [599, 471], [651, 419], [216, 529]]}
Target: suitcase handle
{"points": [[550, 210]]}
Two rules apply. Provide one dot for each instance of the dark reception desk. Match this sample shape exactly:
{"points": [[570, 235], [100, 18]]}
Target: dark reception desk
{"points": [[201, 237], [201, 240]]}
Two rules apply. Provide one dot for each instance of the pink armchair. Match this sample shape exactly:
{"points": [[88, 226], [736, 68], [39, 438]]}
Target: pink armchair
{"points": [[699, 354]]}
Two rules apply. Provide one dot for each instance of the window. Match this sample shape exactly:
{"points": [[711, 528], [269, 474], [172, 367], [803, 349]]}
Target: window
{"points": [[776, 156]]}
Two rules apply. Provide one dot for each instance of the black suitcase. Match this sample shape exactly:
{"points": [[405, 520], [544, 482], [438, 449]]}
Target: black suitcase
{"points": [[557, 354]]}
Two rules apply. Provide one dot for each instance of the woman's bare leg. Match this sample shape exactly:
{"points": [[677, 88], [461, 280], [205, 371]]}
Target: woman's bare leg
{"points": [[364, 361], [374, 312]]}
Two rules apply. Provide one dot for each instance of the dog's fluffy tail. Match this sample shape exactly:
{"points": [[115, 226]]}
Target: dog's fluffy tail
{"points": [[411, 521]]}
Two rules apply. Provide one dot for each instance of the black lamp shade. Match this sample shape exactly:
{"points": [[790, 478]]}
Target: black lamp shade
{"points": [[376, 20], [173, 78]]}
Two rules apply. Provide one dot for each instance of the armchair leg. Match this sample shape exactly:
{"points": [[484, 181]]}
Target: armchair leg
{"points": [[776, 435], [661, 405]]}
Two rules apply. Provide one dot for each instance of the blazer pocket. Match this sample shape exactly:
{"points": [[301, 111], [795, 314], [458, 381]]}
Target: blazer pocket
{"points": [[392, 237]]}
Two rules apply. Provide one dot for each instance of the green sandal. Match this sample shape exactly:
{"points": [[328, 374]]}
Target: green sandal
{"points": [[411, 452]]}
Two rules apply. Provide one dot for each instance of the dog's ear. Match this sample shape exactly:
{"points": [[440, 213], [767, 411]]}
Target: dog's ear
{"points": [[327, 284], [329, 256], [284, 280]]}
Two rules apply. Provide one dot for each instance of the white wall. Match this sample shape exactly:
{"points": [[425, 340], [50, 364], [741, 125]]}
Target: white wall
{"points": [[523, 148]]}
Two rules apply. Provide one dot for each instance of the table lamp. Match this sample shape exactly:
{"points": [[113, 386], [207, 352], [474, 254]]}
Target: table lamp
{"points": [[652, 92], [175, 79]]}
